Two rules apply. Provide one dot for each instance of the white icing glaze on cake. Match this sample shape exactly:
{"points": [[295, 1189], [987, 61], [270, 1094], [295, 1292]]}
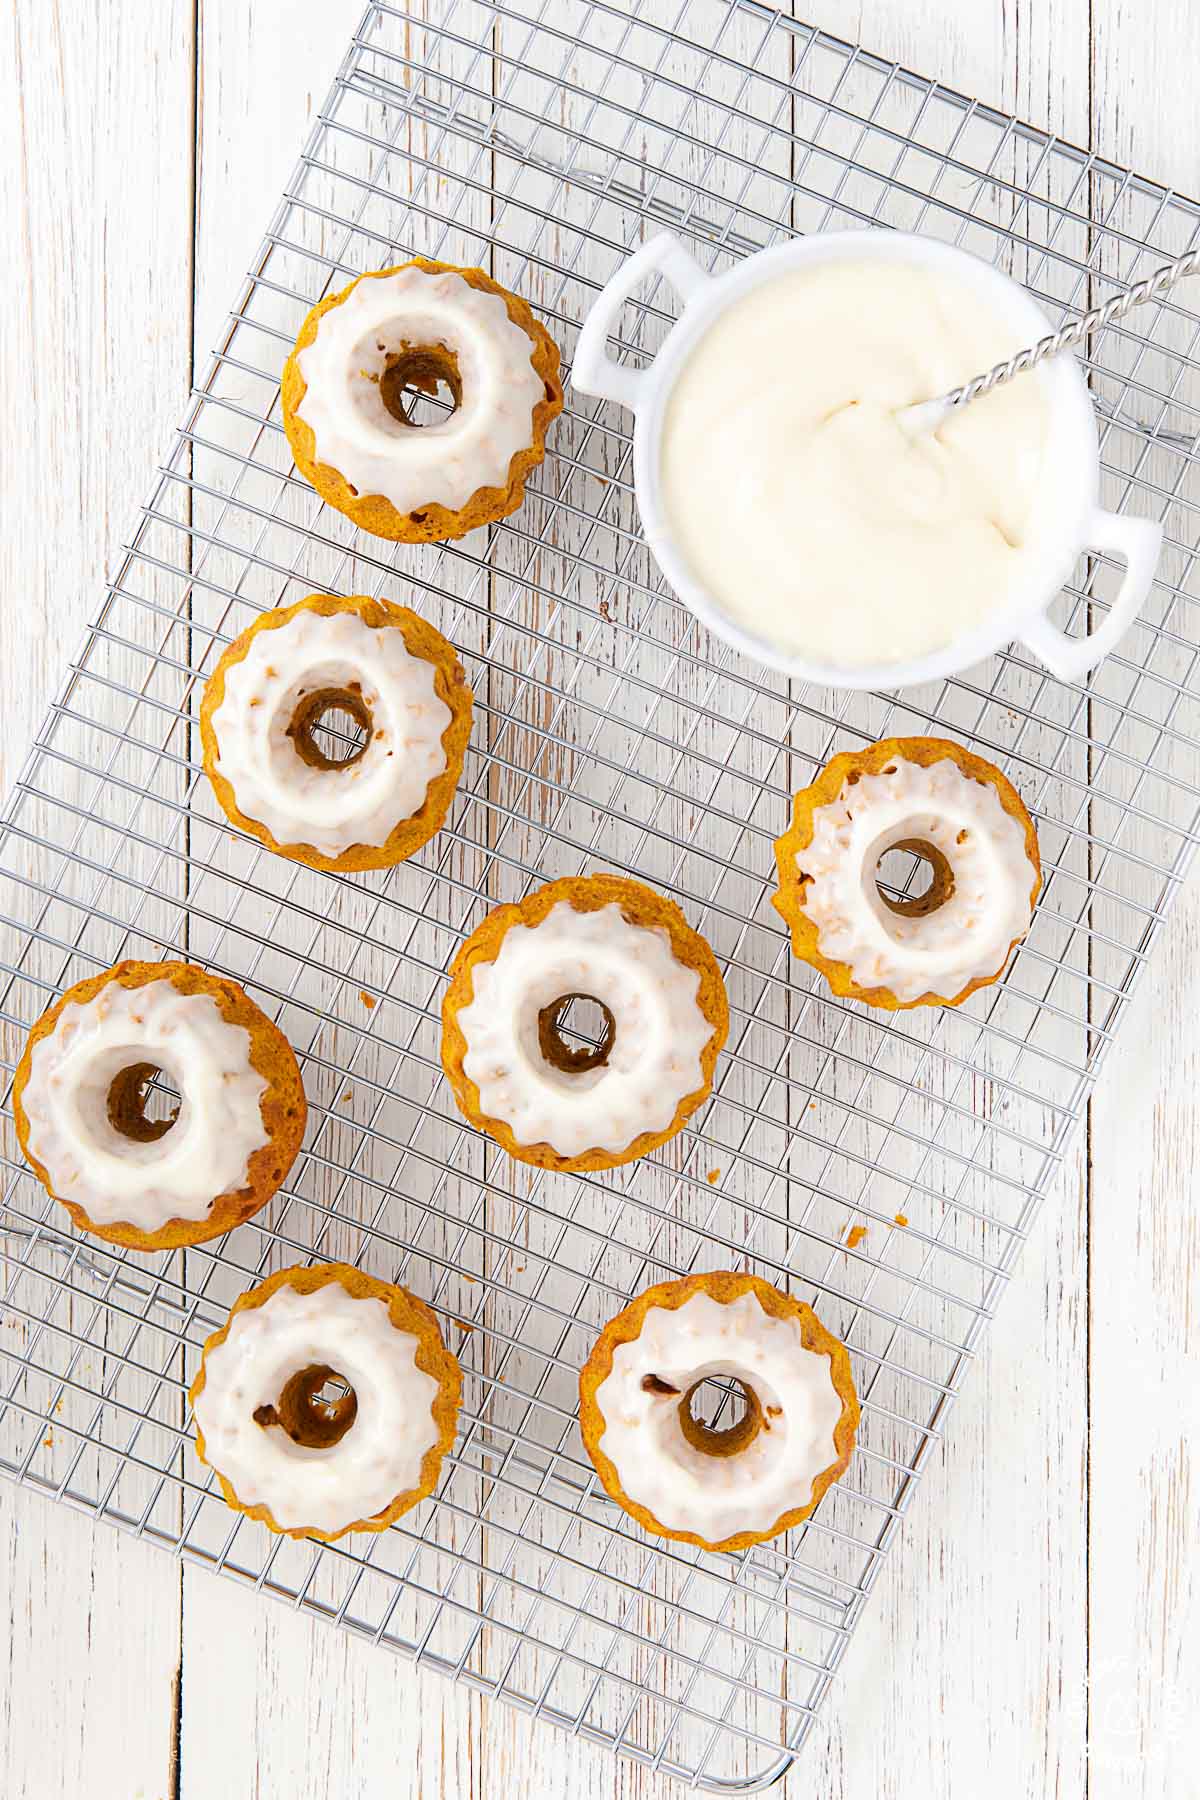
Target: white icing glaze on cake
{"points": [[965, 939], [441, 463], [207, 1151], [685, 1488], [377, 1459], [360, 802], [658, 1038]]}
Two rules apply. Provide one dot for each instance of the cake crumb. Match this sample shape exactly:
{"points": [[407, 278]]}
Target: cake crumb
{"points": [[605, 612], [473, 1279], [48, 1441], [713, 1176], [463, 1325], [347, 1096], [855, 1236], [901, 1219], [368, 1001]]}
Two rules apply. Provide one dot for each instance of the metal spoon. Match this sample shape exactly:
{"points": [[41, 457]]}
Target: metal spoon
{"points": [[927, 415]]}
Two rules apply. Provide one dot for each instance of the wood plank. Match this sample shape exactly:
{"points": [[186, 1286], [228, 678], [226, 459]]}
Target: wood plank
{"points": [[91, 1656], [1143, 1703], [295, 1707], [591, 801], [960, 1678], [95, 178]]}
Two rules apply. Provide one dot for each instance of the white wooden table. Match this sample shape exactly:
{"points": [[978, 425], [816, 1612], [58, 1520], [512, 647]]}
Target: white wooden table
{"points": [[1046, 1581]]}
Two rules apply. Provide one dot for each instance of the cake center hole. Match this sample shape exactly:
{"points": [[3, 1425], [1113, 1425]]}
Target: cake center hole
{"points": [[575, 1033], [914, 878], [720, 1415], [421, 385], [143, 1103], [331, 728], [316, 1408]]}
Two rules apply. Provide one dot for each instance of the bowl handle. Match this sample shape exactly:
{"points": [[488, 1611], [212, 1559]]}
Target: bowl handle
{"points": [[593, 370], [1137, 542]]}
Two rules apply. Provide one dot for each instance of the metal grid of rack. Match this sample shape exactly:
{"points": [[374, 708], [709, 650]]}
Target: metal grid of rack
{"points": [[543, 139]]}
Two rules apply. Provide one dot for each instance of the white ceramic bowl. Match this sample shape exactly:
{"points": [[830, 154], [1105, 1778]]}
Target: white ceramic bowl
{"points": [[1067, 518]]}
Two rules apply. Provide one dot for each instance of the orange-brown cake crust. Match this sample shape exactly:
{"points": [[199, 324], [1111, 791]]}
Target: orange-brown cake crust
{"points": [[450, 684], [789, 900], [407, 1314], [722, 1286], [283, 1106], [639, 905], [433, 523]]}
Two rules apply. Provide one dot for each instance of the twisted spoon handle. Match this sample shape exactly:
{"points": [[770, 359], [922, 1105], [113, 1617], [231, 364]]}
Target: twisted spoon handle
{"points": [[1067, 336]]}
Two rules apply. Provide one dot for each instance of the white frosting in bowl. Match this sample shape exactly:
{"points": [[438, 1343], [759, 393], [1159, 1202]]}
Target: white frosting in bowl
{"points": [[797, 499], [207, 1151]]}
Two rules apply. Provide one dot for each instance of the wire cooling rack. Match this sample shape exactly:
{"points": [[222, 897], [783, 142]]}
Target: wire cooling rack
{"points": [[543, 141]]}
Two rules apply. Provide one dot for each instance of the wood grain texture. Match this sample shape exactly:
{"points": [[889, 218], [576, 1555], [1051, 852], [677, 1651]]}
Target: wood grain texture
{"points": [[1144, 1244], [979, 1639], [95, 196], [1055, 1540]]}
